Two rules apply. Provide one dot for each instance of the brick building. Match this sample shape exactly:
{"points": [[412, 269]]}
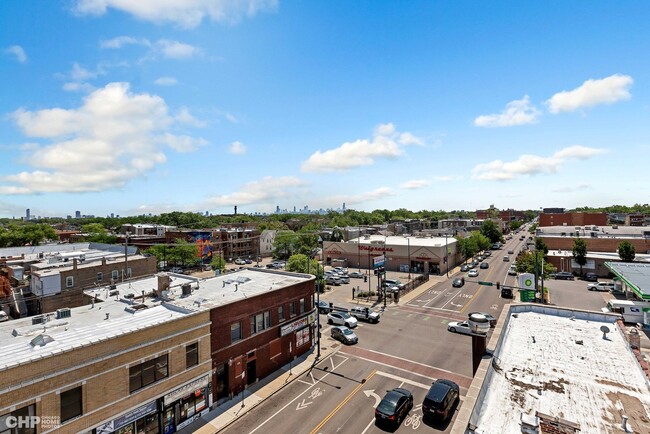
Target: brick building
{"points": [[570, 219], [112, 366], [261, 319], [60, 287]]}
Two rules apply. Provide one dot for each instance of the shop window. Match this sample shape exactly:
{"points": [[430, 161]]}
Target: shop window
{"points": [[235, 332], [100, 277], [69, 282], [148, 373], [71, 404], [302, 305], [191, 355], [281, 313]]}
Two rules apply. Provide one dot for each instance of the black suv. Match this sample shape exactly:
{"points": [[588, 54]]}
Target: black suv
{"points": [[441, 399]]}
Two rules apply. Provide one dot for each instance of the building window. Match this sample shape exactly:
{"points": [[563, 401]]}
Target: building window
{"points": [[100, 277], [260, 322], [147, 373], [302, 305], [235, 332], [115, 274], [69, 282], [191, 355], [71, 404], [128, 272], [281, 313], [292, 308], [20, 414]]}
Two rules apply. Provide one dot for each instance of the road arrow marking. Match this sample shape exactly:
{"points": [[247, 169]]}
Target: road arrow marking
{"points": [[302, 405], [372, 393]]}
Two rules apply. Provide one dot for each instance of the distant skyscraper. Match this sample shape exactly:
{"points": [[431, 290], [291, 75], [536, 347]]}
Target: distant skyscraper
{"points": [[77, 214], [27, 214], [343, 206]]}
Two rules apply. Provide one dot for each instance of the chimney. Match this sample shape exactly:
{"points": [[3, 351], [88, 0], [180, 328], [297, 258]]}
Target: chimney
{"points": [[163, 283], [74, 263], [104, 260]]}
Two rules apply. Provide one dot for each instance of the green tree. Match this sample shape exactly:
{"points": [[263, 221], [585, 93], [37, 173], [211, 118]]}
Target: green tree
{"points": [[467, 247], [580, 252], [515, 224], [160, 252], [526, 263], [96, 233], [490, 230], [182, 252], [300, 263], [541, 246], [626, 251], [218, 262]]}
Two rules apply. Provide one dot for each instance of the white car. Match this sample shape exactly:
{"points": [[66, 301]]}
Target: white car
{"points": [[342, 318], [473, 273], [459, 327], [600, 286], [512, 271]]}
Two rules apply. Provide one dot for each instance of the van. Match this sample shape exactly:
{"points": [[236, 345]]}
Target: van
{"points": [[632, 311], [441, 399]]}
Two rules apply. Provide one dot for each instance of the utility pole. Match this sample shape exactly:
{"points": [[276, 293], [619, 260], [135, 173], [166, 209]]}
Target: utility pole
{"points": [[318, 271], [126, 256]]}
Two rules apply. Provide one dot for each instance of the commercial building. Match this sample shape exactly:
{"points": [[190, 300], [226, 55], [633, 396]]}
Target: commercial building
{"points": [[573, 219], [261, 320], [635, 279], [118, 364], [555, 370], [432, 255]]}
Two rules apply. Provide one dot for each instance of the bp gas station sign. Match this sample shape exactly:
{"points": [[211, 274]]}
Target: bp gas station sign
{"points": [[526, 281]]}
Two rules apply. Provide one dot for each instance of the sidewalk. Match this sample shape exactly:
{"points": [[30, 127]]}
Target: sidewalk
{"points": [[227, 413]]}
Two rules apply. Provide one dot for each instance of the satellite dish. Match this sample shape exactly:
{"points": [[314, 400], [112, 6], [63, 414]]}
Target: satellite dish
{"points": [[605, 330]]}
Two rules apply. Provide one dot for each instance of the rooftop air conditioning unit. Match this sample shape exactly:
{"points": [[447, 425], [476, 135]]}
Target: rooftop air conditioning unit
{"points": [[187, 289], [41, 319], [63, 313]]}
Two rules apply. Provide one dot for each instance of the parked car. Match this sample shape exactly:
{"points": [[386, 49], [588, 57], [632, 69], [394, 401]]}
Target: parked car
{"points": [[365, 314], [240, 261], [492, 319], [484, 265], [342, 318], [344, 334], [323, 307], [177, 270], [600, 286], [394, 407], [472, 273], [562, 275], [340, 270], [458, 282], [441, 399], [248, 261], [506, 258], [394, 282], [332, 280], [459, 327], [464, 268], [512, 271], [591, 277], [356, 274], [487, 253], [344, 278]]}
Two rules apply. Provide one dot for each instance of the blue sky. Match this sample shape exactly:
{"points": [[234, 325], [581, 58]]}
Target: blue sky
{"points": [[148, 107]]}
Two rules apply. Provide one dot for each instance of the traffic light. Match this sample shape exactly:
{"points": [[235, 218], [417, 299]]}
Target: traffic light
{"points": [[498, 285]]}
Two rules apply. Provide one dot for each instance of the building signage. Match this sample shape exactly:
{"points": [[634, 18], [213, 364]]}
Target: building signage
{"points": [[378, 261], [333, 251], [426, 258], [297, 324], [186, 389], [127, 418], [376, 248]]}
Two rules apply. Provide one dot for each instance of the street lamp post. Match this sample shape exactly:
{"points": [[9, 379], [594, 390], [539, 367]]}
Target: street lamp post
{"points": [[318, 279], [408, 242]]}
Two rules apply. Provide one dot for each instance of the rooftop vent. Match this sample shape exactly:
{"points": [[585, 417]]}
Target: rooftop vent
{"points": [[187, 289], [41, 340], [41, 319], [136, 307], [63, 313]]}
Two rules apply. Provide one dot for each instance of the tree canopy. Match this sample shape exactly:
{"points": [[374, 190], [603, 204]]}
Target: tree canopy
{"points": [[580, 252], [26, 234], [491, 231], [626, 251]]}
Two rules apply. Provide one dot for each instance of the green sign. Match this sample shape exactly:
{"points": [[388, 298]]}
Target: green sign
{"points": [[485, 283]]}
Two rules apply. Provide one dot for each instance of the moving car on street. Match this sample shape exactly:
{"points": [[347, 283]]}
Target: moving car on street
{"points": [[459, 327], [394, 407], [342, 318], [458, 282], [492, 319], [355, 275], [365, 314], [345, 335], [600, 286], [472, 273], [441, 399]]}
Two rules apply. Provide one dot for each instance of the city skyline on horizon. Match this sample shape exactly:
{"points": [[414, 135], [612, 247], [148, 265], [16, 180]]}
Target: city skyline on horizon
{"points": [[421, 106]]}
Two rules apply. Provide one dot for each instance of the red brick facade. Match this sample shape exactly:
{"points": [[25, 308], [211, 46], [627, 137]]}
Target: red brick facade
{"points": [[572, 219]]}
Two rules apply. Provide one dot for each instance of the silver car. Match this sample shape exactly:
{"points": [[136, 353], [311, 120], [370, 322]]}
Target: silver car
{"points": [[344, 334]]}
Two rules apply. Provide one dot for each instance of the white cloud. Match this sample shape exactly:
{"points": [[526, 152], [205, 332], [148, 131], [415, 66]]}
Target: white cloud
{"points": [[176, 50], [237, 148], [266, 191], [386, 143], [113, 137], [185, 117], [447, 178], [517, 112], [607, 90], [166, 81], [78, 87], [79, 73], [186, 14], [532, 164], [17, 51], [182, 143], [121, 41], [415, 184]]}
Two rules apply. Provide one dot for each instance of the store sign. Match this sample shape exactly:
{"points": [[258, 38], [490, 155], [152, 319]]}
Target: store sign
{"points": [[425, 258], [333, 252], [127, 418], [186, 389], [297, 324], [376, 248]]}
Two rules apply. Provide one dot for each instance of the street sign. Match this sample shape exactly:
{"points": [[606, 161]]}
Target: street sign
{"points": [[485, 283], [379, 261]]}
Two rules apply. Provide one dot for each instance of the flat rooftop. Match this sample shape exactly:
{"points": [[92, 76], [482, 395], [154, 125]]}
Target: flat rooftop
{"points": [[93, 260], [594, 231], [557, 362], [637, 276], [405, 241], [232, 287]]}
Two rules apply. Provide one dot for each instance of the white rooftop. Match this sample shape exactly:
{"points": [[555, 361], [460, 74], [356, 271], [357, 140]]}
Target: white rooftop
{"points": [[560, 365], [405, 241], [232, 287]]}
